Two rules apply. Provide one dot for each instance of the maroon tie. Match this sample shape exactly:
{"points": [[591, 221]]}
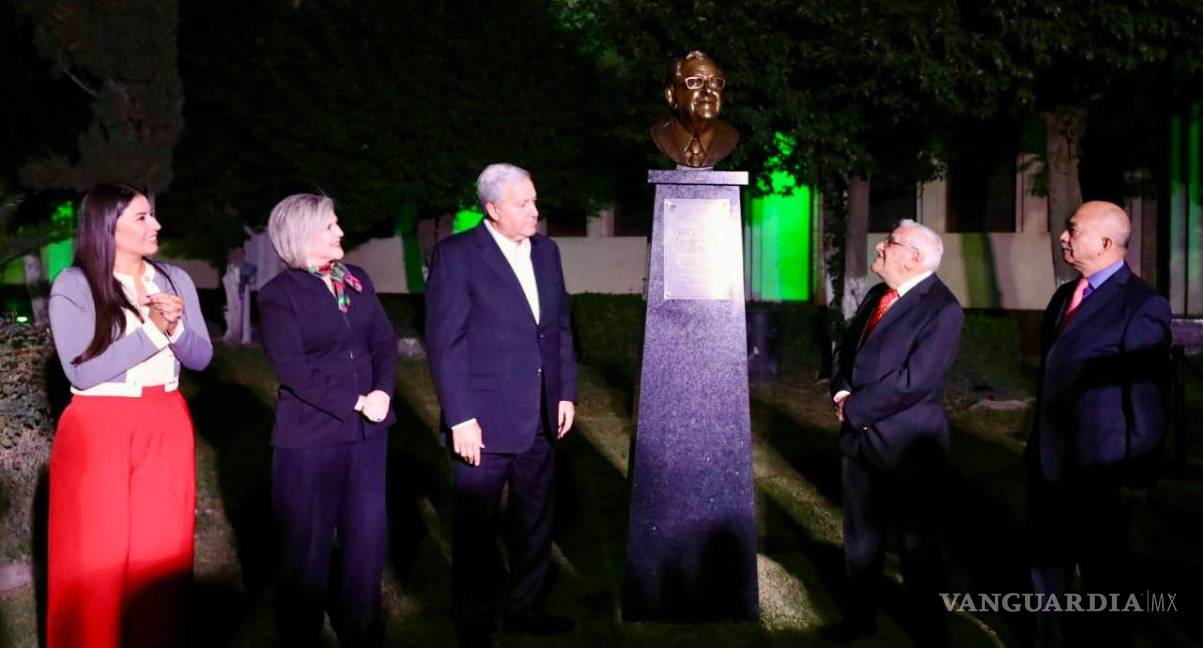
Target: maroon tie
{"points": [[697, 156], [887, 300]]}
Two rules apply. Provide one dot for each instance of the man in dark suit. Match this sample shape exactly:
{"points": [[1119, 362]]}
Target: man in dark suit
{"points": [[888, 386], [1100, 410], [500, 348]]}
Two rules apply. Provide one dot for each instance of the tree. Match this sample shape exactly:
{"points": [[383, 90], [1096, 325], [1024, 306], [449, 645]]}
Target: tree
{"points": [[1073, 59], [386, 106], [12, 244], [859, 86], [38, 118], [122, 56]]}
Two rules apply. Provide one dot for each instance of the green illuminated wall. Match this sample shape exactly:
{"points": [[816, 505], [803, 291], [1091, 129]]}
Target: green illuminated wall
{"points": [[466, 219], [778, 227], [56, 256], [406, 227], [1186, 213]]}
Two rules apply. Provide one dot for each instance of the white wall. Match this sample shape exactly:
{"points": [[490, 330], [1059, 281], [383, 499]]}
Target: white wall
{"points": [[203, 274], [385, 262], [616, 265], [1009, 270], [591, 264], [1006, 270]]}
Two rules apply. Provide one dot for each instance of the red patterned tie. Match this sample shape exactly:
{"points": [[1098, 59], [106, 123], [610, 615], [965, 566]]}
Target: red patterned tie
{"points": [[887, 300]]}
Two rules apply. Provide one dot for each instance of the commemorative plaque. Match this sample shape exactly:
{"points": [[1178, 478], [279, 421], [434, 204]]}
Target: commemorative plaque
{"points": [[698, 255]]}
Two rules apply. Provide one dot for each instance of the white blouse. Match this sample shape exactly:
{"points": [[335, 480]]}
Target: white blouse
{"points": [[159, 369]]}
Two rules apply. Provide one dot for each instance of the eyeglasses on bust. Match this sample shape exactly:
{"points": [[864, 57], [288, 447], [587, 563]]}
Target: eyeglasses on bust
{"points": [[696, 82]]}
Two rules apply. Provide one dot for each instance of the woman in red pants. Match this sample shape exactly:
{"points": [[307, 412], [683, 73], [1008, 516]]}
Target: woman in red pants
{"points": [[122, 486]]}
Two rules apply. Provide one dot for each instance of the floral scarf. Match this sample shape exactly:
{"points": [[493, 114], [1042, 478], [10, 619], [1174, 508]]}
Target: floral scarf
{"points": [[340, 277]]}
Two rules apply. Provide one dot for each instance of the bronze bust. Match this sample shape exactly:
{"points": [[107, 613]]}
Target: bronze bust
{"points": [[692, 135]]}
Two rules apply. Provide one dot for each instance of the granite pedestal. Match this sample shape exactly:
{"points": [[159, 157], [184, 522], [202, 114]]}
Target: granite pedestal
{"points": [[691, 544]]}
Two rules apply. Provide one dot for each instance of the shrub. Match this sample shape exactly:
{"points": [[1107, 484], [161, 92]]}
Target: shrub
{"points": [[798, 337], [990, 362], [406, 312], [26, 429], [608, 331]]}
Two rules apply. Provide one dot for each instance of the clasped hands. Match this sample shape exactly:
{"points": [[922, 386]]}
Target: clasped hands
{"points": [[467, 440], [165, 310], [374, 406]]}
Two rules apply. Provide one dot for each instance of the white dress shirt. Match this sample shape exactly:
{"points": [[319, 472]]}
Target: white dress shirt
{"points": [[518, 256]]}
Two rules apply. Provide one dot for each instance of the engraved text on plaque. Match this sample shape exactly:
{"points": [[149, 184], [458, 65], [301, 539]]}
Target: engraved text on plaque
{"points": [[701, 249]]}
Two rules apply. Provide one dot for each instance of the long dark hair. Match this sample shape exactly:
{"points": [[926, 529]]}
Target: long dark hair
{"points": [[96, 254]]}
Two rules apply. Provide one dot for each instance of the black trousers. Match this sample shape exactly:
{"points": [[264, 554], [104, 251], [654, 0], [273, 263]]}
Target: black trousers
{"points": [[330, 504], [1080, 522], [877, 503], [478, 571]]}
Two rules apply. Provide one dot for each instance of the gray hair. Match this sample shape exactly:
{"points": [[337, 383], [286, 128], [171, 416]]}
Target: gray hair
{"points": [[491, 183], [293, 223], [927, 242]]}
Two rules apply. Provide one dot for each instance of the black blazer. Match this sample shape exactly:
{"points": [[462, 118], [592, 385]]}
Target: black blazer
{"points": [[325, 359], [895, 417], [488, 358], [1102, 393]]}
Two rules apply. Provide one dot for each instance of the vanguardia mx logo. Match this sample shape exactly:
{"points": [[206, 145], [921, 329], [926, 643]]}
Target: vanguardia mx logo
{"points": [[1033, 602]]}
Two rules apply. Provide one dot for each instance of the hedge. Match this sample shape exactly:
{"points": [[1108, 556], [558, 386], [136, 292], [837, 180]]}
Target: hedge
{"points": [[608, 332], [31, 392]]}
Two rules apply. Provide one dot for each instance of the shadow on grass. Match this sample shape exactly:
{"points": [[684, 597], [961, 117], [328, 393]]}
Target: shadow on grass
{"points": [[981, 530], [592, 511], [984, 528], [237, 424], [418, 469]]}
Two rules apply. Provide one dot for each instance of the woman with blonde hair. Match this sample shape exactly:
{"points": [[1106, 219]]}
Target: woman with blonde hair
{"points": [[335, 355]]}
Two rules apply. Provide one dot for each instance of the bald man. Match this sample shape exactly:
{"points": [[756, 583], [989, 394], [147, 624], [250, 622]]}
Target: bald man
{"points": [[1100, 410]]}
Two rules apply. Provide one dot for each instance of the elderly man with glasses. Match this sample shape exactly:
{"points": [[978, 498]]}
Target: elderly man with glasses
{"points": [[888, 385], [693, 136]]}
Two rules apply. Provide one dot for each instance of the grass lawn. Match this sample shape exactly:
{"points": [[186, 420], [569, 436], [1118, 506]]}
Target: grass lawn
{"points": [[797, 477]]}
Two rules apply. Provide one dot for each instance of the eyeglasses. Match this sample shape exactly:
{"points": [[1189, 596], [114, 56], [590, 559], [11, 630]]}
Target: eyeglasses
{"points": [[712, 82], [890, 240]]}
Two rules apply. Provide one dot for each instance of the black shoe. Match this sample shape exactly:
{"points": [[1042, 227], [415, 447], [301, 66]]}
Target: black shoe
{"points": [[537, 623], [844, 633]]}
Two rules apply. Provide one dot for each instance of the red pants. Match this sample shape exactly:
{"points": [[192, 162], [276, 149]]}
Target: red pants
{"points": [[122, 503]]}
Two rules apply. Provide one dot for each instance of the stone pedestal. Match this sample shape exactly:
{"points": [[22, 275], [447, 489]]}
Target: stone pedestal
{"points": [[691, 544]]}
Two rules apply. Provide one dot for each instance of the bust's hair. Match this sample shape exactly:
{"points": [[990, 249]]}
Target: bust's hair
{"points": [[491, 183], [293, 223], [675, 71]]}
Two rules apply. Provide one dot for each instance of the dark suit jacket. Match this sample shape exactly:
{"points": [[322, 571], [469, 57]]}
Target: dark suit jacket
{"points": [[325, 359], [1101, 398], [895, 415], [489, 359]]}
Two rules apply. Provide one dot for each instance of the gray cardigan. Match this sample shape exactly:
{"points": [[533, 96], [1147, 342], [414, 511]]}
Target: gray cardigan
{"points": [[73, 323]]}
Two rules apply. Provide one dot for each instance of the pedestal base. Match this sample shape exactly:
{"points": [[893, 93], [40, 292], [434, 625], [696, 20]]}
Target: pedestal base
{"points": [[691, 547]]}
